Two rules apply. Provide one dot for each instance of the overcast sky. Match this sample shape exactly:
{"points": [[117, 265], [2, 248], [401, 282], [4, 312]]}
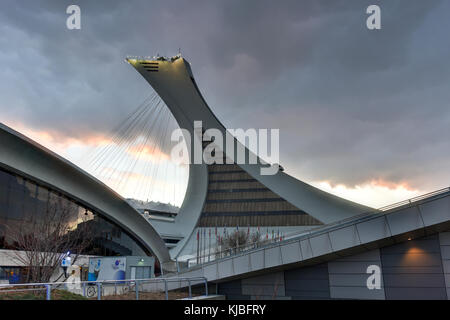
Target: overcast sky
{"points": [[362, 113]]}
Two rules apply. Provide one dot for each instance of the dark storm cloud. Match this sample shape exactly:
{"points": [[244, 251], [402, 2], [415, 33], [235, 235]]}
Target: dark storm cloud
{"points": [[353, 105]]}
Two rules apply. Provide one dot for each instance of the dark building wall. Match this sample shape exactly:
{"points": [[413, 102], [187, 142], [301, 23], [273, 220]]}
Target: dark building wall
{"points": [[265, 287], [413, 270], [232, 290], [416, 269], [348, 276], [444, 240], [308, 283]]}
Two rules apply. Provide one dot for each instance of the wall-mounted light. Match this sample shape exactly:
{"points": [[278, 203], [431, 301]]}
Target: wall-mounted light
{"points": [[142, 260]]}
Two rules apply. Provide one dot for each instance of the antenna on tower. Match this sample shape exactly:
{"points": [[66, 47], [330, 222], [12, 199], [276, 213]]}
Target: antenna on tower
{"points": [[177, 56]]}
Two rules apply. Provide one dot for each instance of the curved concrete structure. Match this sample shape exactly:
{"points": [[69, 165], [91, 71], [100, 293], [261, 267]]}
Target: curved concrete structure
{"points": [[173, 80], [27, 158]]}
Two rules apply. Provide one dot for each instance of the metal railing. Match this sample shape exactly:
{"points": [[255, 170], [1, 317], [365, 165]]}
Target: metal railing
{"points": [[102, 288], [415, 199], [217, 255]]}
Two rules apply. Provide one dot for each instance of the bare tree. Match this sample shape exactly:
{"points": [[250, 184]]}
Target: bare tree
{"points": [[43, 239], [237, 242]]}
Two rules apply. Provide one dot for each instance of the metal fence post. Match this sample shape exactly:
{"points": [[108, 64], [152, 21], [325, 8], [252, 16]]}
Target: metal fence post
{"points": [[166, 289], [137, 290], [49, 291], [206, 287], [99, 291], [190, 289]]}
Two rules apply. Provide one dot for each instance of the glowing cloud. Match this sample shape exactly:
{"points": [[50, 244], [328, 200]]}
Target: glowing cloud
{"points": [[376, 193]]}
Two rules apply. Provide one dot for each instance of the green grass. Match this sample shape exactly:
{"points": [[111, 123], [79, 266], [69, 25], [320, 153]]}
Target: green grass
{"points": [[41, 295]]}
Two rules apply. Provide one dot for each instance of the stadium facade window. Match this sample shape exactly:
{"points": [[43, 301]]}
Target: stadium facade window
{"points": [[20, 198]]}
